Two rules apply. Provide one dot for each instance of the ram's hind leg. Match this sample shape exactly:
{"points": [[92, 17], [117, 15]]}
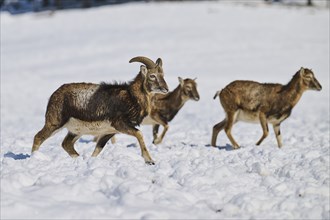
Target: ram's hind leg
{"points": [[101, 143], [68, 144], [47, 131], [216, 129]]}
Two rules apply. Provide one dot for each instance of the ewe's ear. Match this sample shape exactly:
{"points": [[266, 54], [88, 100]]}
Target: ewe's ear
{"points": [[159, 62], [180, 81], [301, 71], [195, 79], [143, 70]]}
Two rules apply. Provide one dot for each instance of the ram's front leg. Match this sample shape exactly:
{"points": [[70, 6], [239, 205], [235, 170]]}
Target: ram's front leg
{"points": [[144, 152], [125, 129]]}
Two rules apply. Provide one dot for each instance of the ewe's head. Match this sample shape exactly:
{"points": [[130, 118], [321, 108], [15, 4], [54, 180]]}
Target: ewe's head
{"points": [[308, 80], [153, 74], [189, 88]]}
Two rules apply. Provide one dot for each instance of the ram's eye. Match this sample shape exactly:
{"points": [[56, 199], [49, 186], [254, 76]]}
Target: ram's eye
{"points": [[308, 77], [153, 77]]}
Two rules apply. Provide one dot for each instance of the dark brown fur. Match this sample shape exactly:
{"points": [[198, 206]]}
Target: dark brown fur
{"points": [[85, 108], [261, 102]]}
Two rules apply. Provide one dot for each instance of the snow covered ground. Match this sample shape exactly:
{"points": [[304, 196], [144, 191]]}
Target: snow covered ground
{"points": [[216, 42]]}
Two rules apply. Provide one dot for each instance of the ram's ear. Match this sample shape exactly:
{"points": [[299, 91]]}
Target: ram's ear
{"points": [[181, 81], [159, 62], [143, 70]]}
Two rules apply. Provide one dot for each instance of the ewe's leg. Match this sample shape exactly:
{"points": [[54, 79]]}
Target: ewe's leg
{"points": [[230, 122], [68, 143], [216, 129], [42, 135], [163, 134], [101, 143], [278, 135], [160, 139], [263, 122], [162, 122], [155, 129]]}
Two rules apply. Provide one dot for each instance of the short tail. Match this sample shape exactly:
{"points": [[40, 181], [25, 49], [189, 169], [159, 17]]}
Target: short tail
{"points": [[216, 94]]}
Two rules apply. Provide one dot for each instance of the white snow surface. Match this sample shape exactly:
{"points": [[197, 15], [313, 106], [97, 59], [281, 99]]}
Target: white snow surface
{"points": [[213, 41]]}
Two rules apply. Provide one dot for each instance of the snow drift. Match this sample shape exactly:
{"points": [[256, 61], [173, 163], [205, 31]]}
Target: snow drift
{"points": [[213, 41]]}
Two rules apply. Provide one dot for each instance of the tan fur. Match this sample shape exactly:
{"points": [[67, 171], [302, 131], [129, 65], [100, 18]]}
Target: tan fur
{"points": [[165, 106], [255, 102]]}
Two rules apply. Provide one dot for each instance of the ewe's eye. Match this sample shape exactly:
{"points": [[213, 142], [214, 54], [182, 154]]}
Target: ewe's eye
{"points": [[153, 77]]}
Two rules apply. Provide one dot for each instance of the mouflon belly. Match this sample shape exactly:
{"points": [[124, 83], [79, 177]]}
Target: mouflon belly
{"points": [[253, 117], [247, 116], [95, 128]]}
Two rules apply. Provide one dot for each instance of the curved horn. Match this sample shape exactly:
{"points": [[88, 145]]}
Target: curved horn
{"points": [[149, 63]]}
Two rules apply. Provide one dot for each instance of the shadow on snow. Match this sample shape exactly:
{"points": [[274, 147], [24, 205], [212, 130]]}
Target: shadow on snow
{"points": [[228, 147], [16, 156]]}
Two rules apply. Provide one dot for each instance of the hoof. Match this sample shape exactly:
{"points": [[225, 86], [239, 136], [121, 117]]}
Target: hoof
{"points": [[150, 162], [157, 141]]}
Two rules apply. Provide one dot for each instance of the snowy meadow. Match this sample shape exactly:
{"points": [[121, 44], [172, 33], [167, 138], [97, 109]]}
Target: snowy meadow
{"points": [[213, 41]]}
